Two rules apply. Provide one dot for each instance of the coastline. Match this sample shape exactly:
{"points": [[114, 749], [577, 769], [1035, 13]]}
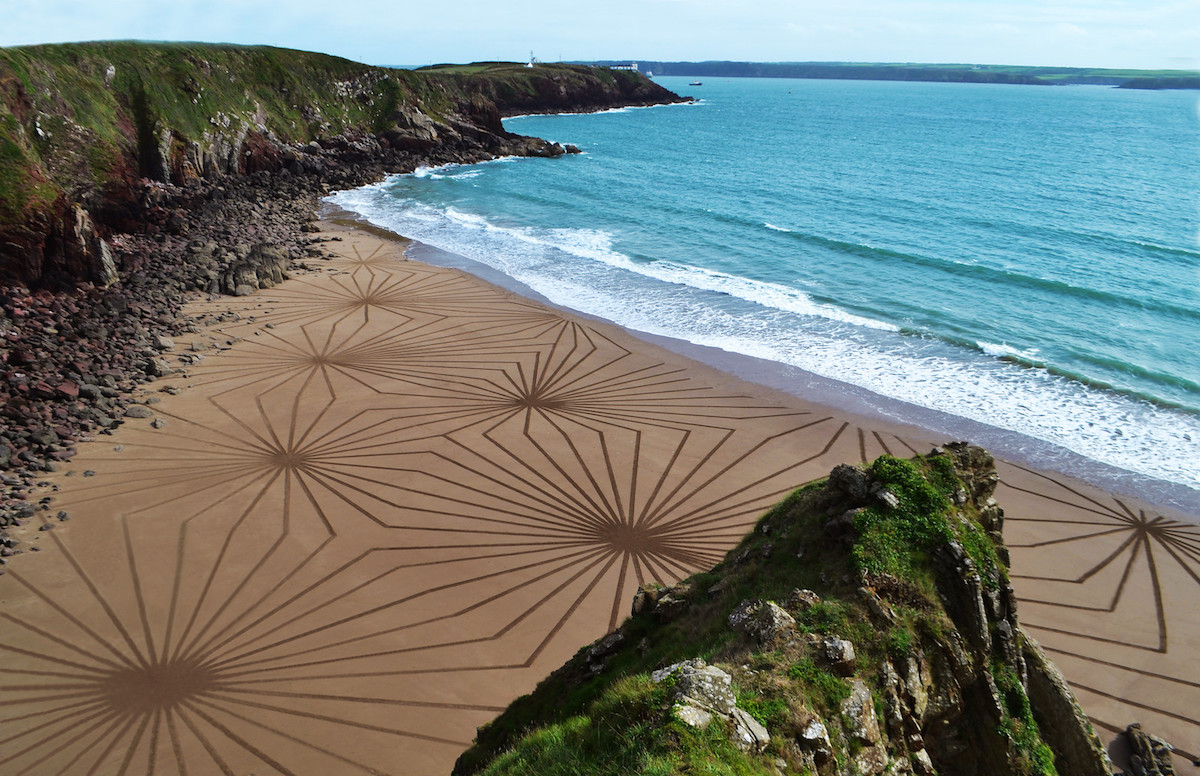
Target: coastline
{"points": [[389, 508], [1013, 446]]}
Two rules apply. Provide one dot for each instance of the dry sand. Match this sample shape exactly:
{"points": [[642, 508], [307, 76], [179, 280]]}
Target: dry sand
{"points": [[392, 497]]}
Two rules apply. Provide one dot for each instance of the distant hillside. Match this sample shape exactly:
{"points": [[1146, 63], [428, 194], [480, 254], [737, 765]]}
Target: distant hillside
{"points": [[84, 127], [954, 73]]}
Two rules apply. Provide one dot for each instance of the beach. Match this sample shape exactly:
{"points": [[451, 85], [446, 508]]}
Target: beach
{"points": [[382, 499]]}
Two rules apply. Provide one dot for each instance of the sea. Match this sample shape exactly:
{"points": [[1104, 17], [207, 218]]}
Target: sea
{"points": [[1024, 259]]}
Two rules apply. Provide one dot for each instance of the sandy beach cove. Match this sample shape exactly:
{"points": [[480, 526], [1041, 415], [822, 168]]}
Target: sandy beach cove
{"points": [[382, 499]]}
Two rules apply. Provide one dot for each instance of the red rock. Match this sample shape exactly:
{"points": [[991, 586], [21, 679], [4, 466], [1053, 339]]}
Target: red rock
{"points": [[68, 390], [42, 390]]}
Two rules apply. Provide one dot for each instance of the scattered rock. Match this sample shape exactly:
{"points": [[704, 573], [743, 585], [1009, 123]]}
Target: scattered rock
{"points": [[138, 411], [1149, 754], [840, 655], [748, 733], [764, 621], [801, 600]]}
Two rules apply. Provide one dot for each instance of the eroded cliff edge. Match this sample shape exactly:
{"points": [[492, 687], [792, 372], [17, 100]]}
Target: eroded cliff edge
{"points": [[865, 627], [98, 139], [132, 174]]}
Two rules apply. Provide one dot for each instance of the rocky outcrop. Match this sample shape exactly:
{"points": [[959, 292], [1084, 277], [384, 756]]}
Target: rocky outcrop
{"points": [[205, 182], [100, 139], [900, 658], [1149, 754]]}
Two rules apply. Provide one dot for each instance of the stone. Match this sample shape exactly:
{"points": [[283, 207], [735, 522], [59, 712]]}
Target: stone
{"points": [[701, 685], [814, 739], [162, 342], [801, 600], [764, 621], [859, 713], [158, 423], [138, 411], [1061, 721], [646, 598], [597, 654], [1149, 754], [748, 733], [840, 654], [157, 367], [668, 607], [692, 715]]}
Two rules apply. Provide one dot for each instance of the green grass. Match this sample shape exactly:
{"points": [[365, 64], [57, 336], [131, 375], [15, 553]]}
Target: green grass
{"points": [[898, 541], [628, 729], [826, 690], [1034, 757], [574, 708]]}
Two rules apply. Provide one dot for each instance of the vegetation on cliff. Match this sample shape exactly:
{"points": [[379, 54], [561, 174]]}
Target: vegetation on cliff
{"points": [[84, 127], [866, 626]]}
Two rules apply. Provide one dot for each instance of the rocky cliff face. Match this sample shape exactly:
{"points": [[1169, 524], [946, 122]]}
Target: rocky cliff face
{"points": [[104, 138], [865, 627], [132, 174]]}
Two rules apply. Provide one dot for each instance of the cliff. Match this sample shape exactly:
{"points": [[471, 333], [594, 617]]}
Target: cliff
{"points": [[132, 174], [102, 138], [865, 627]]}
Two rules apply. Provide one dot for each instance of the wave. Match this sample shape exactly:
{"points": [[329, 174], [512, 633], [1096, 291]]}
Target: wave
{"points": [[597, 245], [985, 382], [624, 109], [993, 275], [451, 171]]}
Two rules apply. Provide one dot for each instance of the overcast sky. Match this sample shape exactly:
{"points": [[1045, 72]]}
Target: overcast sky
{"points": [[1087, 33]]}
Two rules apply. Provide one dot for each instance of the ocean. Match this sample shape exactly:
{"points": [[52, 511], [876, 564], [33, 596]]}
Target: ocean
{"points": [[1023, 257]]}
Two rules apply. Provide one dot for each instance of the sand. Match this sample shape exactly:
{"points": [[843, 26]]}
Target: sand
{"points": [[392, 497]]}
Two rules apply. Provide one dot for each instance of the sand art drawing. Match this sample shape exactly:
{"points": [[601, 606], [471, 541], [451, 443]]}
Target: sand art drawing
{"points": [[406, 497], [1110, 591]]}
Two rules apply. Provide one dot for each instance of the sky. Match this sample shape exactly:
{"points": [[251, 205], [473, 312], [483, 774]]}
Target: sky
{"points": [[1145, 34]]}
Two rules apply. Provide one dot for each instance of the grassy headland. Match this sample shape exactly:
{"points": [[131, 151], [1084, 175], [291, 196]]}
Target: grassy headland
{"points": [[87, 124], [904, 562]]}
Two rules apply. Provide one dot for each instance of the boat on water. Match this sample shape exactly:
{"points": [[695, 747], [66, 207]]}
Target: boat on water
{"points": [[695, 83]]}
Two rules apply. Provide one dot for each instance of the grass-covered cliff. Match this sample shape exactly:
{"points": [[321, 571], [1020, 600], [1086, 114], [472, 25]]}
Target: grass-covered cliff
{"points": [[865, 627], [84, 127]]}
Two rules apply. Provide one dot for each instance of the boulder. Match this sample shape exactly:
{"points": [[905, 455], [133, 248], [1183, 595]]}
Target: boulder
{"points": [[840, 655], [748, 733], [1149, 754], [765, 622]]}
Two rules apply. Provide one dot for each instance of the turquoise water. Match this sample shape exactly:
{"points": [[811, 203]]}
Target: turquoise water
{"points": [[1025, 257]]}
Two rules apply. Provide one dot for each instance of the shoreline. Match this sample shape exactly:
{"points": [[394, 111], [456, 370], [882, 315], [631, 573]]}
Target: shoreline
{"points": [[1010, 445], [392, 481]]}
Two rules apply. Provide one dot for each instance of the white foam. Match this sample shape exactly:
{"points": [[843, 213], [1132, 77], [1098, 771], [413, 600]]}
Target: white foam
{"points": [[625, 109], [580, 269], [1004, 349], [777, 228]]}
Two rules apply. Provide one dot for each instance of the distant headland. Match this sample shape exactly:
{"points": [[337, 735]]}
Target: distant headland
{"points": [[949, 73]]}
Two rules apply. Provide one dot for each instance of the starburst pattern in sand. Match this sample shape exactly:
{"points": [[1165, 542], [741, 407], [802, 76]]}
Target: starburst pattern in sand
{"points": [[1109, 590]]}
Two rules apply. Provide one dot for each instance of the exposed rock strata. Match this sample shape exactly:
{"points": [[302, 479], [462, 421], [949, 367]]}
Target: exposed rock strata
{"points": [[92, 278]]}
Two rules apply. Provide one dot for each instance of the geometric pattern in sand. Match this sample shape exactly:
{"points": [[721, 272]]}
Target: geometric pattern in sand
{"points": [[1110, 592], [407, 495], [369, 527]]}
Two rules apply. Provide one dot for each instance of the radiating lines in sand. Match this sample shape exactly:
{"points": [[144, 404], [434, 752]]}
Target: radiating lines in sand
{"points": [[1110, 591], [372, 525]]}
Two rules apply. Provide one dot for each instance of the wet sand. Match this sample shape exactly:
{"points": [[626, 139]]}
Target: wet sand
{"points": [[392, 497]]}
